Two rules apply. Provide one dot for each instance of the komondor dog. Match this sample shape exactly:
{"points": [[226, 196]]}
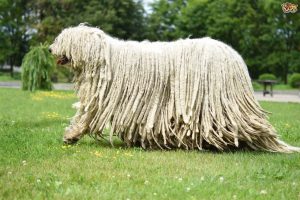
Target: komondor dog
{"points": [[190, 93]]}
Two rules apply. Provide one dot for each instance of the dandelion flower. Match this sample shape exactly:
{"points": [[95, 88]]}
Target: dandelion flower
{"points": [[263, 192], [58, 183], [287, 125], [221, 179], [128, 154], [98, 154]]}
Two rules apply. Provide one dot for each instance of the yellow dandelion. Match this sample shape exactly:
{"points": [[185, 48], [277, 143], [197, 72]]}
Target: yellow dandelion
{"points": [[98, 154], [51, 115], [35, 98], [38, 96], [128, 154]]}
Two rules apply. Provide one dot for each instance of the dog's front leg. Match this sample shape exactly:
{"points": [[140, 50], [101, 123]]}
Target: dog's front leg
{"points": [[73, 133], [78, 126]]}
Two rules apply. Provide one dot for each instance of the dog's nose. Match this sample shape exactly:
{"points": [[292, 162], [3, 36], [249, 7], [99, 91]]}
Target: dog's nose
{"points": [[50, 50]]}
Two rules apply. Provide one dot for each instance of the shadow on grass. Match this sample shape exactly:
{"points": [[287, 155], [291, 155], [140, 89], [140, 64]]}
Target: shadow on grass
{"points": [[88, 141], [103, 143]]}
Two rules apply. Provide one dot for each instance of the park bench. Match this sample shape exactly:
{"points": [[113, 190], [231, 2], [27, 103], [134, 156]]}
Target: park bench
{"points": [[267, 83]]}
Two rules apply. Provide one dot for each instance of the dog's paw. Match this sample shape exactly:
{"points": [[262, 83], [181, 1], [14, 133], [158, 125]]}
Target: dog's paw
{"points": [[70, 140]]}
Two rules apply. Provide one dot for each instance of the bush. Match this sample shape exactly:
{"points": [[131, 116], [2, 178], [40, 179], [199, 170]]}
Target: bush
{"points": [[264, 77], [63, 74], [295, 80], [37, 68], [256, 86]]}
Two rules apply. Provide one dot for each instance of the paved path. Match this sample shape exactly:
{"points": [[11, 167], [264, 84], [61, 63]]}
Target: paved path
{"points": [[279, 96], [17, 84]]}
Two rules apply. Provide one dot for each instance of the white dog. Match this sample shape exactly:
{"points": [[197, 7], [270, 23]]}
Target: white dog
{"points": [[192, 93]]}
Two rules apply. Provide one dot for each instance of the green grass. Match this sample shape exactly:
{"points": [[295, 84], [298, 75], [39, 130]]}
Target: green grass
{"points": [[34, 164], [5, 76]]}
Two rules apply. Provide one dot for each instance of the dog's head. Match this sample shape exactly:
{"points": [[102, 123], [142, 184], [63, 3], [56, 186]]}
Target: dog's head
{"points": [[77, 46]]}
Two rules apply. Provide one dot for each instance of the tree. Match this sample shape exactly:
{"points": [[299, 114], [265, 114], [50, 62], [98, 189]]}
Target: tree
{"points": [[162, 21], [283, 41], [266, 37], [229, 21], [37, 68], [14, 34], [28, 22], [123, 19], [49, 18]]}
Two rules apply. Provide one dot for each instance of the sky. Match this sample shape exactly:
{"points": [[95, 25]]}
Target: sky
{"points": [[146, 5]]}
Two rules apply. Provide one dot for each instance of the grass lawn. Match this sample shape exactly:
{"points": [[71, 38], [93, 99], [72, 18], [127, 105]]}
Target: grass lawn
{"points": [[34, 164]]}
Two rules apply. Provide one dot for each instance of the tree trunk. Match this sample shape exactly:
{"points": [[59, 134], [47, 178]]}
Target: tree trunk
{"points": [[285, 73], [11, 67], [284, 78]]}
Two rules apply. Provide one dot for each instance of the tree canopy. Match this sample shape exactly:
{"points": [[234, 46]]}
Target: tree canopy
{"points": [[267, 38]]}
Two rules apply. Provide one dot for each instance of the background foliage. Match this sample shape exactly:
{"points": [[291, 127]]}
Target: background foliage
{"points": [[295, 80], [267, 38], [267, 76]]}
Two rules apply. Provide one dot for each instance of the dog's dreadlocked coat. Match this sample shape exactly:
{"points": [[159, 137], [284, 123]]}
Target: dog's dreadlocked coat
{"points": [[190, 93]]}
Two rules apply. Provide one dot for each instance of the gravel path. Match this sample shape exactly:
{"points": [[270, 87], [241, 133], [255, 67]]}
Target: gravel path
{"points": [[279, 96]]}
